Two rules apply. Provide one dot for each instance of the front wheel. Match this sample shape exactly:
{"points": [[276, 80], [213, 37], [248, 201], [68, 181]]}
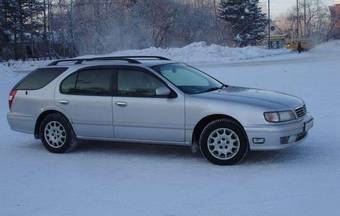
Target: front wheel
{"points": [[56, 133], [223, 142]]}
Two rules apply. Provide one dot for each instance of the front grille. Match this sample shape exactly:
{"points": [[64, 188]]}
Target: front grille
{"points": [[301, 111]]}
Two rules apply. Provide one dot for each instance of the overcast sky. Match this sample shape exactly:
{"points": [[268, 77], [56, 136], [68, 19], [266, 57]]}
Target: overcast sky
{"points": [[281, 6]]}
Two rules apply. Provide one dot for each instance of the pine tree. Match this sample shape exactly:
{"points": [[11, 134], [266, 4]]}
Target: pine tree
{"points": [[19, 19], [247, 20], [4, 24]]}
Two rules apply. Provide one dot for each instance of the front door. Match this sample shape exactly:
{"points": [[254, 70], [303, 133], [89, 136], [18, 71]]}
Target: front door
{"points": [[139, 114]]}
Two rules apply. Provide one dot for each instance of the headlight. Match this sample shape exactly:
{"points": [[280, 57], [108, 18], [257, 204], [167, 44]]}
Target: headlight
{"points": [[281, 116]]}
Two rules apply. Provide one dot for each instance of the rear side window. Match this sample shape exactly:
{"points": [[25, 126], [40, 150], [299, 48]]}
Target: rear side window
{"points": [[88, 82], [39, 78]]}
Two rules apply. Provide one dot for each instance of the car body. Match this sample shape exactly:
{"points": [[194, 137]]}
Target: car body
{"points": [[170, 115]]}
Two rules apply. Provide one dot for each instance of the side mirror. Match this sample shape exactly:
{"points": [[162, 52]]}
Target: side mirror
{"points": [[163, 91]]}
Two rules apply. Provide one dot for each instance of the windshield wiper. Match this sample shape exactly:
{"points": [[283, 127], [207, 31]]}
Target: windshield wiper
{"points": [[214, 88]]}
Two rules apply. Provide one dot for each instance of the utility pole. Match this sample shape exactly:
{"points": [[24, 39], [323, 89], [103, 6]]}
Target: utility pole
{"points": [[304, 18], [215, 9], [269, 26], [299, 45], [45, 28], [297, 20]]}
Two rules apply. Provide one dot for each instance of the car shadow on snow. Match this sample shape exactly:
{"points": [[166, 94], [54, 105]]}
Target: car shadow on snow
{"points": [[302, 154], [139, 149], [184, 152]]}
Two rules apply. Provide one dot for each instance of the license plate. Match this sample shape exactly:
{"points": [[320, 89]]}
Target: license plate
{"points": [[308, 125]]}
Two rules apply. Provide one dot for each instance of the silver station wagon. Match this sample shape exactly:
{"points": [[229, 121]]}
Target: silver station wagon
{"points": [[151, 99]]}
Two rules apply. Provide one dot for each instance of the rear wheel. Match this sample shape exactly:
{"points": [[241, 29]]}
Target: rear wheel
{"points": [[223, 142], [56, 133]]}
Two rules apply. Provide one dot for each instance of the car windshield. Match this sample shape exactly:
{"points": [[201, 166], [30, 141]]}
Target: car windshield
{"points": [[188, 79]]}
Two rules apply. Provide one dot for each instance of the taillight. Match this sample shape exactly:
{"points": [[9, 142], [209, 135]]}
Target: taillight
{"points": [[11, 98]]}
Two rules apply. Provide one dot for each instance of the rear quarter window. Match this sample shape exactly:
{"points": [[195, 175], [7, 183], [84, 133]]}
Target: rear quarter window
{"points": [[39, 78]]}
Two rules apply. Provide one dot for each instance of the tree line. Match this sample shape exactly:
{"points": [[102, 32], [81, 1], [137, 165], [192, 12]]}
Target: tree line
{"points": [[67, 28]]}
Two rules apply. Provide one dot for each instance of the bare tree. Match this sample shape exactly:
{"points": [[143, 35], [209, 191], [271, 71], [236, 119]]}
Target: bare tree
{"points": [[317, 26]]}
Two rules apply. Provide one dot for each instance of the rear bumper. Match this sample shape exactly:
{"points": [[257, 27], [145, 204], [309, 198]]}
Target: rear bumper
{"points": [[272, 137], [21, 123]]}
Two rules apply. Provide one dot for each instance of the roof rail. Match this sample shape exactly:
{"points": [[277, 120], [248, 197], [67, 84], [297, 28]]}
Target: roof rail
{"points": [[81, 60], [117, 58], [77, 61], [129, 59], [146, 57]]}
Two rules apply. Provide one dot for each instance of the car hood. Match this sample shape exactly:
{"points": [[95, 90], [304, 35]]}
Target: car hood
{"points": [[257, 97]]}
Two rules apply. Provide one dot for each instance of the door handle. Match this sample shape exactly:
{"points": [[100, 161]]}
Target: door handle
{"points": [[64, 102], [121, 103]]}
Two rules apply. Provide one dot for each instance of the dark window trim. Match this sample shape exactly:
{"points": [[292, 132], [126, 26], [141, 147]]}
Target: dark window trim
{"points": [[114, 81], [76, 81], [110, 94]]}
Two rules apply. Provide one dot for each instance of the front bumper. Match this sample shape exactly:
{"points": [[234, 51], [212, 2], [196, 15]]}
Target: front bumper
{"points": [[278, 136]]}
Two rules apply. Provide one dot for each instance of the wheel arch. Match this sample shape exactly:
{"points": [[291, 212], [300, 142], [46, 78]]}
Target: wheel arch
{"points": [[40, 119], [206, 120]]}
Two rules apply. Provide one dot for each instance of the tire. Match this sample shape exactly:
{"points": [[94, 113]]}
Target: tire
{"points": [[56, 133], [223, 142]]}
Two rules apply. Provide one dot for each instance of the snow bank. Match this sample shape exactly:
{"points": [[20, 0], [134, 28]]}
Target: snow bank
{"points": [[26, 66], [4, 68], [328, 47], [5, 72], [200, 52]]}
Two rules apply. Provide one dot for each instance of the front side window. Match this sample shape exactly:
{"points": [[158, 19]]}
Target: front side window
{"points": [[137, 83], [188, 79], [88, 82]]}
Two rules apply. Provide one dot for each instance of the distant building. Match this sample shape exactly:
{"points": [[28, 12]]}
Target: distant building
{"points": [[277, 36], [335, 17]]}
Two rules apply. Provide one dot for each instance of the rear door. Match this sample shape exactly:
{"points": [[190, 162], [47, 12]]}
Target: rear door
{"points": [[86, 97], [139, 114]]}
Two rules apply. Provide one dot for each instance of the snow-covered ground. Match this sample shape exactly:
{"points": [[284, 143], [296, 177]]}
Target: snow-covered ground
{"points": [[130, 179]]}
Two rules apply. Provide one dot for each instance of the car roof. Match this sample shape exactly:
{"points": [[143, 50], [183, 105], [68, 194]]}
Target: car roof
{"points": [[146, 61], [74, 67]]}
